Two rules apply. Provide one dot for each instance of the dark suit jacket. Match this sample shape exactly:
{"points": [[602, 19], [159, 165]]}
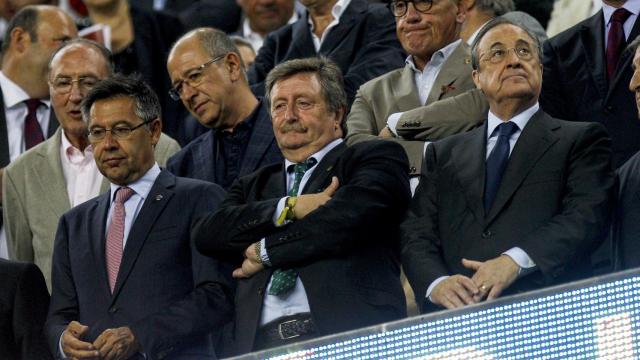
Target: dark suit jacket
{"points": [[345, 252], [575, 85], [166, 292], [553, 202], [626, 225], [197, 160], [24, 300], [363, 44]]}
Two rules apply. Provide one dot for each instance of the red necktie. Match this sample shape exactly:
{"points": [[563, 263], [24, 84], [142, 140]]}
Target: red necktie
{"points": [[616, 40], [32, 130], [115, 235], [79, 7]]}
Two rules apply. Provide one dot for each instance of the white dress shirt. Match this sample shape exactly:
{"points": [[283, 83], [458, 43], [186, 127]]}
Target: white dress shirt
{"points": [[336, 11], [295, 302], [80, 171], [607, 10]]}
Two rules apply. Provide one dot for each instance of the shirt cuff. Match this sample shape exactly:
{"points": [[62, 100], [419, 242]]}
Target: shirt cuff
{"points": [[523, 260], [392, 122], [62, 354], [263, 252], [433, 285], [279, 210]]}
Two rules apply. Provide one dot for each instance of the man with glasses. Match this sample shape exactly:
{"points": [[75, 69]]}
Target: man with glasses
{"points": [[208, 76], [514, 205], [438, 67], [61, 171], [127, 280]]}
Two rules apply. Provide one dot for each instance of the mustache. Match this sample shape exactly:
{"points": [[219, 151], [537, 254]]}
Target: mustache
{"points": [[294, 126]]}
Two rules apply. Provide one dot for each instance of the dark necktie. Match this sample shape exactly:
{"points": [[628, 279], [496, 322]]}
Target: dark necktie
{"points": [[497, 162], [115, 235], [283, 281], [32, 130], [615, 40]]}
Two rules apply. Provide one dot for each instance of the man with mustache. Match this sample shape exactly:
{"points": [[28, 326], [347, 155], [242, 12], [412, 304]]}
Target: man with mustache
{"points": [[517, 204], [208, 76], [318, 231]]}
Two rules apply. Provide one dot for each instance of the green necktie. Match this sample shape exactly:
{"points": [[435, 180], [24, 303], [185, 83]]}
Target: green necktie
{"points": [[283, 281]]}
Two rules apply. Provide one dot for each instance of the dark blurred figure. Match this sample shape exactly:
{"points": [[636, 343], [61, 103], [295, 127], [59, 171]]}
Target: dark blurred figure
{"points": [[224, 15], [24, 300], [539, 9], [247, 53], [260, 17]]}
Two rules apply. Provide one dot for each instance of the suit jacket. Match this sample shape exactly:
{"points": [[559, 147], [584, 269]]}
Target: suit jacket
{"points": [[198, 159], [575, 85], [626, 225], [396, 92], [169, 295], [554, 203], [35, 197], [345, 252], [23, 309], [363, 44]]}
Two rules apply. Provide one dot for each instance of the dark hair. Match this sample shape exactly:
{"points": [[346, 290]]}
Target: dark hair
{"points": [[26, 19], [106, 54], [495, 7], [147, 105], [328, 73], [475, 57]]}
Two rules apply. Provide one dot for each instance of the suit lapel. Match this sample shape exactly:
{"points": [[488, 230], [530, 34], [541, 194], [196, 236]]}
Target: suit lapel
{"points": [[594, 52], [340, 32], [535, 140], [323, 171], [205, 165], [469, 160], [98, 237], [154, 204], [53, 123], [455, 65], [49, 176], [405, 92], [301, 41], [259, 142]]}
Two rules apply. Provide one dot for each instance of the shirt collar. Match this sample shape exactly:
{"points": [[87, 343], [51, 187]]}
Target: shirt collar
{"points": [[437, 58], [142, 186], [68, 149], [337, 11], [13, 94], [319, 155], [248, 33], [632, 5], [521, 119]]}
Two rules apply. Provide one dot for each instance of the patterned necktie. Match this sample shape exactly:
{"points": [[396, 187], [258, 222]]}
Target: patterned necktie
{"points": [[283, 281], [115, 235], [615, 40], [497, 162], [32, 130]]}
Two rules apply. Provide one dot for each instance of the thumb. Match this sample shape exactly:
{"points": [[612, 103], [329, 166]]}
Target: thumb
{"points": [[470, 264], [332, 187]]}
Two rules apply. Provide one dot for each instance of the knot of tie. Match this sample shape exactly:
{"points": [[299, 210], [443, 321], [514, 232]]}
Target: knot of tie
{"points": [[304, 166], [33, 104], [507, 129], [620, 15], [123, 194]]}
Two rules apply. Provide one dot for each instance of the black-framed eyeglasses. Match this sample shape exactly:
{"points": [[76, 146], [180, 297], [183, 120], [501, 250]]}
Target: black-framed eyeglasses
{"points": [[119, 132], [193, 79], [497, 55], [399, 8]]}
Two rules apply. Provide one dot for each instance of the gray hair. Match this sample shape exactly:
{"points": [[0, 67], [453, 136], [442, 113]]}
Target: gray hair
{"points": [[147, 105], [214, 42], [102, 50], [495, 7], [328, 73], [475, 57]]}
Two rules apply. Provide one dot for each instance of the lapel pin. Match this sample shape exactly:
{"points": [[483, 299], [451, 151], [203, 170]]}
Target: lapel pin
{"points": [[329, 168], [158, 197]]}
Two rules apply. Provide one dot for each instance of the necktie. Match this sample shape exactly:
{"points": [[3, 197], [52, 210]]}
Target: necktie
{"points": [[115, 235], [283, 281], [615, 40], [497, 162], [32, 130]]}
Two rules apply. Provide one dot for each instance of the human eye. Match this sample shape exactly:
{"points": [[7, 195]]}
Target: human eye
{"points": [[497, 54], [194, 76], [279, 107], [303, 104], [523, 51], [62, 82], [88, 82], [121, 131], [97, 133]]}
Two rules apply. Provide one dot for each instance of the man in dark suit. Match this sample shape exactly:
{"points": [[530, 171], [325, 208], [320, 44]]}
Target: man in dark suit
{"points": [[547, 187], [323, 259], [23, 309], [208, 76], [127, 281], [361, 40]]}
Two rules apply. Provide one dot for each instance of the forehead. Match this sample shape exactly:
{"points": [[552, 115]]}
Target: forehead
{"points": [[79, 59], [300, 84], [108, 112], [189, 53], [505, 34], [54, 23]]}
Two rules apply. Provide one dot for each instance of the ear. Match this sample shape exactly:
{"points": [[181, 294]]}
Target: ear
{"points": [[20, 39], [234, 65], [461, 14], [476, 78], [467, 5], [339, 118], [156, 130]]}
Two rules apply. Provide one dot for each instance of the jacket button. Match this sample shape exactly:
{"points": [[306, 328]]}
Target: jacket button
{"points": [[113, 310], [609, 108], [487, 234], [412, 169]]}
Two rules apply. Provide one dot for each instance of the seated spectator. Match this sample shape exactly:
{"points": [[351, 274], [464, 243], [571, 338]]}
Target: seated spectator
{"points": [[320, 247], [247, 53], [60, 171], [23, 309], [359, 37], [224, 15], [208, 76], [262, 17], [517, 204]]}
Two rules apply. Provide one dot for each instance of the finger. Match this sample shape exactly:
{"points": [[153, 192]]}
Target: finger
{"points": [[332, 187], [239, 274], [469, 284], [77, 329], [69, 340], [496, 290], [463, 295], [471, 264], [453, 298], [80, 354]]}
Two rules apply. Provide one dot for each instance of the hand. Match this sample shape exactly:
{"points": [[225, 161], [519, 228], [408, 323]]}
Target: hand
{"points": [[116, 344], [454, 292], [250, 265], [492, 276], [386, 133], [75, 348], [309, 202]]}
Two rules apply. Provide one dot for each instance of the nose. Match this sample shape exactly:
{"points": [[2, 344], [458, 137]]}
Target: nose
{"points": [[412, 14], [634, 84], [109, 143], [512, 58], [187, 92], [75, 94]]}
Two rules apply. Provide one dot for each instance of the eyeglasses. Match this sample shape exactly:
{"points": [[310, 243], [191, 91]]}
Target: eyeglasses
{"points": [[399, 8], [498, 55], [119, 132], [194, 78], [63, 85]]}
